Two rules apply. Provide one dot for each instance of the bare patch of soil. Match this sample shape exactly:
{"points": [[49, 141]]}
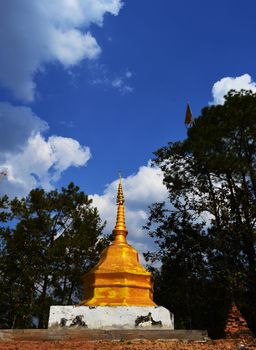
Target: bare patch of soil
{"points": [[230, 344]]}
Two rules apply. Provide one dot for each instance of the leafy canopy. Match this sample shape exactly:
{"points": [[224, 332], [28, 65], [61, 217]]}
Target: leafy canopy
{"points": [[206, 234], [48, 241]]}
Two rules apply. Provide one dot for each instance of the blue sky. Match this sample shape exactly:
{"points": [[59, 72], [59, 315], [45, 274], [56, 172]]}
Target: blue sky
{"points": [[90, 87]]}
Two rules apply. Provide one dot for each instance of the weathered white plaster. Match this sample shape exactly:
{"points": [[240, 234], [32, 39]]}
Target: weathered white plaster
{"points": [[111, 317]]}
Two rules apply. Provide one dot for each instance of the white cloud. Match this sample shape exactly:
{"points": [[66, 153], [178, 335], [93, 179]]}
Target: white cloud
{"points": [[17, 124], [121, 86], [120, 83], [128, 74], [41, 163], [34, 33], [30, 159], [140, 190], [224, 85], [73, 46]]}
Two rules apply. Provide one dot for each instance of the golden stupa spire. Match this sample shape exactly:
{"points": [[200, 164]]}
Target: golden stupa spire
{"points": [[120, 231], [118, 279]]}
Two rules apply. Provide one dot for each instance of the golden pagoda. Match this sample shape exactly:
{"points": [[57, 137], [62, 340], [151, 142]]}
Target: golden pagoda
{"points": [[118, 279]]}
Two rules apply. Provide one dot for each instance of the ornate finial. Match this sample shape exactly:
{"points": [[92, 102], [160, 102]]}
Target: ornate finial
{"points": [[120, 230], [120, 194]]}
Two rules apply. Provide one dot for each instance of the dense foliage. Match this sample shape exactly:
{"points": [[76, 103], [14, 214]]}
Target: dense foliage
{"points": [[48, 241], [206, 233]]}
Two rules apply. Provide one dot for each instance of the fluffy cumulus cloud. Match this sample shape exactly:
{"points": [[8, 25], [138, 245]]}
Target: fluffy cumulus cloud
{"points": [[34, 33], [140, 190], [29, 158], [17, 124], [224, 85]]}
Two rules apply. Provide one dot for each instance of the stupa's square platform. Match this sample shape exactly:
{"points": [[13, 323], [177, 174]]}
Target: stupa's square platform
{"points": [[111, 317]]}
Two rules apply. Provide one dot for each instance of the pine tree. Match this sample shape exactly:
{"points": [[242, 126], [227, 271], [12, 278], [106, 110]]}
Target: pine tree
{"points": [[211, 179], [55, 238]]}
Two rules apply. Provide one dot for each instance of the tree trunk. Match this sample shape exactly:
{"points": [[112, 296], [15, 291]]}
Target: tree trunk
{"points": [[41, 323]]}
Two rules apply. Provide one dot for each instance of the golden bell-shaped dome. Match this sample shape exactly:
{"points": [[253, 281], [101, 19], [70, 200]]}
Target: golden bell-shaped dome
{"points": [[118, 279]]}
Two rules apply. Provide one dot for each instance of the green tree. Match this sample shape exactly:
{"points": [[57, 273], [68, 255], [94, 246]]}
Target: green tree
{"points": [[4, 229], [211, 179], [55, 239]]}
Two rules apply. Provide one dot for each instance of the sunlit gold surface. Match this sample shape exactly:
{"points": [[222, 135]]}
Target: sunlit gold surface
{"points": [[118, 278]]}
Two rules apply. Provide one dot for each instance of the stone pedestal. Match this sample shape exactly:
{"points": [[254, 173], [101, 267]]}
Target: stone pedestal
{"points": [[111, 317]]}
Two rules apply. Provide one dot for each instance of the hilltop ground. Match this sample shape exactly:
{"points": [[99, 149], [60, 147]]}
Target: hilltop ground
{"points": [[231, 344]]}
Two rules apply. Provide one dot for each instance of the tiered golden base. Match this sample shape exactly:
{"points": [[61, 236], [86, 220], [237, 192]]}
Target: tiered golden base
{"points": [[118, 279]]}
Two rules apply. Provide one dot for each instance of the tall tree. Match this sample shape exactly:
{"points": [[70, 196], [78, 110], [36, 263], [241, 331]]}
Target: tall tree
{"points": [[4, 290], [55, 239], [211, 179]]}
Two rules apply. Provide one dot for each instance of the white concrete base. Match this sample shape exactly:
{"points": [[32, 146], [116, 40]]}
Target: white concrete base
{"points": [[111, 317]]}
